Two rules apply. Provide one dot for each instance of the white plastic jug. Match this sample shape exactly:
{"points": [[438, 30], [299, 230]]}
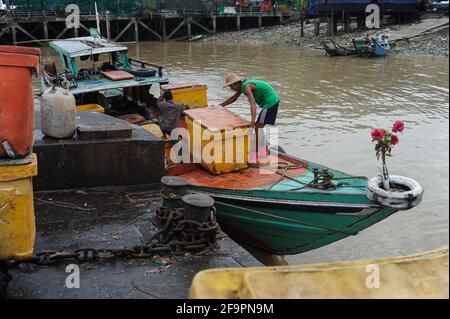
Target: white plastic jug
{"points": [[58, 113]]}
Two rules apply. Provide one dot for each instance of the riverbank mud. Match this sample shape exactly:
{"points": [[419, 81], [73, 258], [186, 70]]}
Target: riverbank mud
{"points": [[433, 43]]}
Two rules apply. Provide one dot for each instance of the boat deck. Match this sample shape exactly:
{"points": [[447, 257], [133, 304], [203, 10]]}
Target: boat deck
{"points": [[289, 175]]}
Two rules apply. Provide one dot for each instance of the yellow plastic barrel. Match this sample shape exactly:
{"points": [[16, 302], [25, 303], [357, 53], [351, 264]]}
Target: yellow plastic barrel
{"points": [[190, 94], [420, 276], [17, 220]]}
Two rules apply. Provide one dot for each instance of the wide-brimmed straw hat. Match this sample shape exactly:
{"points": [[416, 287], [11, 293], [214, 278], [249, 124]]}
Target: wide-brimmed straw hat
{"points": [[231, 79]]}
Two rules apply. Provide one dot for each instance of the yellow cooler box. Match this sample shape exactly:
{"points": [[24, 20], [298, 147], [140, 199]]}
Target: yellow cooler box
{"points": [[17, 221], [90, 107], [190, 94], [220, 138]]}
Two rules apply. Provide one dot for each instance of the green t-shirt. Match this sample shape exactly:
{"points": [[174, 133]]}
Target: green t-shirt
{"points": [[265, 95]]}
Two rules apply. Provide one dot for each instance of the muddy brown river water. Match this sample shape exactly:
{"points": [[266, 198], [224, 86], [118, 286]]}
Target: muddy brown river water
{"points": [[329, 107]]}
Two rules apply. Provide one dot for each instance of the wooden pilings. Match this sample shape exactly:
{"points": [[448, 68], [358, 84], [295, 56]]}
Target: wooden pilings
{"points": [[136, 29], [42, 28], [108, 27]]}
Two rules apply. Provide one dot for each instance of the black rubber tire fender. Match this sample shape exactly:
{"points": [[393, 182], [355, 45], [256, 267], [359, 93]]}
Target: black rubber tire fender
{"points": [[142, 72]]}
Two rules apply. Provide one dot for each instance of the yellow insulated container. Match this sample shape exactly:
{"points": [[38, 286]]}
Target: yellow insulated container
{"points": [[190, 94], [90, 107], [219, 139], [421, 276], [17, 220]]}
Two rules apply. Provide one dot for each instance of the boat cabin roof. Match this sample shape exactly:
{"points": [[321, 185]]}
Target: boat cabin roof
{"points": [[83, 46]]}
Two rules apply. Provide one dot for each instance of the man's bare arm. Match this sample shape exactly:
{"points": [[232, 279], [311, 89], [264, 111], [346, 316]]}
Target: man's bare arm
{"points": [[231, 100], [251, 99]]}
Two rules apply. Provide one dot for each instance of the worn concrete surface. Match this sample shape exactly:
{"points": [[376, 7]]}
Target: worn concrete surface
{"points": [[77, 163], [112, 218], [288, 35]]}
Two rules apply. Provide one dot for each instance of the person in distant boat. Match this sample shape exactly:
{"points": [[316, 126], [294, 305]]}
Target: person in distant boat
{"points": [[171, 113], [258, 93]]}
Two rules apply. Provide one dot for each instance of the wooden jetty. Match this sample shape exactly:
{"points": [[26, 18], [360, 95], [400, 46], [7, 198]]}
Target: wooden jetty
{"points": [[40, 27]]}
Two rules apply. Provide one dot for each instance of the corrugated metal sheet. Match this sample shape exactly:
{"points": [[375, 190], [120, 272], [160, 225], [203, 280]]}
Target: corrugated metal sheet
{"points": [[127, 6], [410, 2], [87, 6], [186, 5], [349, 1]]}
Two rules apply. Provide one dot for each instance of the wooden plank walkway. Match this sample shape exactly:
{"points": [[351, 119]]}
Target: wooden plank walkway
{"points": [[418, 29]]}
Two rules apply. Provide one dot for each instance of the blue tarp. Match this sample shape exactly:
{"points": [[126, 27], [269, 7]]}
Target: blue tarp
{"points": [[312, 4], [312, 7]]}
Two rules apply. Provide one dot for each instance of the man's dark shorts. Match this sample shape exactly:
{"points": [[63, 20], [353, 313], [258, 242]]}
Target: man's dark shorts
{"points": [[269, 116]]}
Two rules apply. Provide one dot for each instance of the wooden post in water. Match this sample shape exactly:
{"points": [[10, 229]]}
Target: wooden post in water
{"points": [[260, 24], [316, 26], [238, 22], [14, 34], [302, 23], [347, 23], [329, 25], [189, 26], [45, 27], [164, 28], [108, 27], [136, 29], [214, 23]]}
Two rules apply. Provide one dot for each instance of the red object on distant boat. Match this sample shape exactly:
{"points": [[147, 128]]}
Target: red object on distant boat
{"points": [[118, 75], [132, 118], [17, 64]]}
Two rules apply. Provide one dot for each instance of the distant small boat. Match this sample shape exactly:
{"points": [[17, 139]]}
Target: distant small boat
{"points": [[96, 82], [332, 48], [373, 47]]}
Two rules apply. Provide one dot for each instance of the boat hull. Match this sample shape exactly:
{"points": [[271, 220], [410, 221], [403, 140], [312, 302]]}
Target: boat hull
{"points": [[286, 213], [290, 227], [370, 51]]}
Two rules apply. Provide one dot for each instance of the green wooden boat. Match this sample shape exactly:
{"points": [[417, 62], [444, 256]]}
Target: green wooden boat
{"points": [[99, 71], [373, 47], [300, 207], [332, 48]]}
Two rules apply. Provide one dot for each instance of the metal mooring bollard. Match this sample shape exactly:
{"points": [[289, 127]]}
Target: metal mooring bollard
{"points": [[174, 188], [198, 207]]}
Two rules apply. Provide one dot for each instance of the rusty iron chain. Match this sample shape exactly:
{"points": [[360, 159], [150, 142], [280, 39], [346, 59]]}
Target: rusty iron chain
{"points": [[176, 237]]}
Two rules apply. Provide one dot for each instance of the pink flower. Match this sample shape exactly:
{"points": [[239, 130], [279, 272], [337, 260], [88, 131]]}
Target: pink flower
{"points": [[394, 139], [378, 135], [399, 127]]}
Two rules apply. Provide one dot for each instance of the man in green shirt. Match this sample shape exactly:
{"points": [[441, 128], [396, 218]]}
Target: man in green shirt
{"points": [[258, 93]]}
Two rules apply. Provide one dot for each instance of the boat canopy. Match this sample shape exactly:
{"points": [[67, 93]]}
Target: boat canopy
{"points": [[84, 46]]}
